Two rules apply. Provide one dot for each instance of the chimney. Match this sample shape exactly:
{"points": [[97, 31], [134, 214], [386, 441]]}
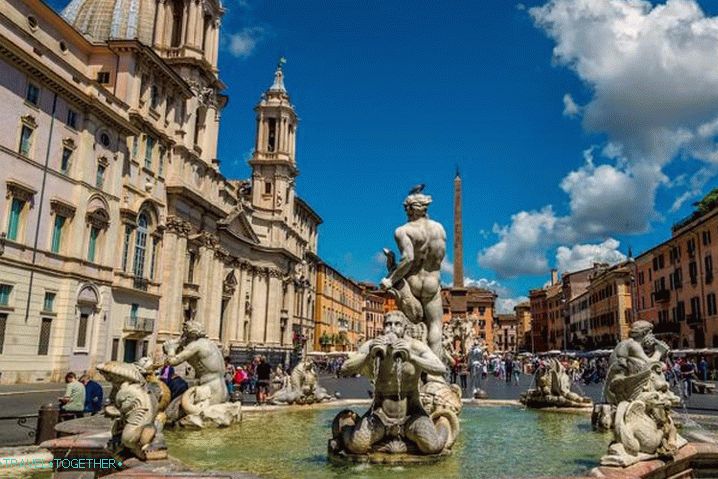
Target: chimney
{"points": [[554, 276], [458, 234]]}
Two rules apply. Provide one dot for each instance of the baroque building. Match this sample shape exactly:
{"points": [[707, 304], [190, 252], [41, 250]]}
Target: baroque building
{"points": [[116, 222], [339, 315]]}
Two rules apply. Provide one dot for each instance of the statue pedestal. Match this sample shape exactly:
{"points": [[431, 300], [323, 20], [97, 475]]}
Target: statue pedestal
{"points": [[340, 457]]}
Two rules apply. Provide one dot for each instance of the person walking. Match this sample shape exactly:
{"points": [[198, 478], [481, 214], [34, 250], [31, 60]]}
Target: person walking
{"points": [[516, 371], [93, 395], [73, 402], [703, 369], [229, 371], [464, 372], [264, 375], [688, 372], [509, 368]]}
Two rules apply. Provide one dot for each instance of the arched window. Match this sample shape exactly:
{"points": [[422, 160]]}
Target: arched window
{"points": [[141, 245], [177, 16]]}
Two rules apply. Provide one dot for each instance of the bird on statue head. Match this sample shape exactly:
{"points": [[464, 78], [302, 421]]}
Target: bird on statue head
{"points": [[417, 189]]}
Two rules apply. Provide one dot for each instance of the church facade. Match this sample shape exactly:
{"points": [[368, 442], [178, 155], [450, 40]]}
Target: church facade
{"points": [[116, 224]]}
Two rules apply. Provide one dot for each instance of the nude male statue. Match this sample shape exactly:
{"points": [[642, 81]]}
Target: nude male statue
{"points": [[396, 409], [205, 358], [422, 243], [633, 355]]}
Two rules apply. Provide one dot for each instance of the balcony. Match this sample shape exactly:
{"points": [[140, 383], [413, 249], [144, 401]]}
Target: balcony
{"points": [[667, 327], [662, 295], [139, 325], [140, 283], [694, 319]]}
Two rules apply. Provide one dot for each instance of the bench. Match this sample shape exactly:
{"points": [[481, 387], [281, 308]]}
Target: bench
{"points": [[701, 387]]}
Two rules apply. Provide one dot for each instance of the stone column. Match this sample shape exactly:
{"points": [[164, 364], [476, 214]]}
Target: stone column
{"points": [[160, 24], [191, 21], [199, 26], [215, 44]]}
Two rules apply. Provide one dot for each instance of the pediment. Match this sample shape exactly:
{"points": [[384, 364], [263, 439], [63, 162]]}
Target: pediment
{"points": [[238, 224]]}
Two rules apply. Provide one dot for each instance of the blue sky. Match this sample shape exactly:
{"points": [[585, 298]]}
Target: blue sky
{"points": [[580, 126]]}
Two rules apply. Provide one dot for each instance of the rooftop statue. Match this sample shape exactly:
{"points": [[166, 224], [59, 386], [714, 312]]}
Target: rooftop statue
{"points": [[415, 279], [640, 401], [553, 388], [205, 403], [407, 415]]}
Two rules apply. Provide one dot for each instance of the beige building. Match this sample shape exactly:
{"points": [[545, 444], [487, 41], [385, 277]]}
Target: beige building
{"points": [[117, 222], [523, 331], [506, 333]]}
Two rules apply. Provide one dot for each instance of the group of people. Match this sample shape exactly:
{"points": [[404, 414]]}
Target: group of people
{"points": [[507, 368], [82, 396], [254, 377], [684, 371]]}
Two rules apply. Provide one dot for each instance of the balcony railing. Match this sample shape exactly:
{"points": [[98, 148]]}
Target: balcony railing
{"points": [[662, 295], [138, 324], [140, 283], [694, 319], [667, 327]]}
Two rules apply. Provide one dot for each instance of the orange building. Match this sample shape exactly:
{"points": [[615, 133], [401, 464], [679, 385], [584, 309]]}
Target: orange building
{"points": [[676, 288], [340, 324], [523, 331], [539, 320]]}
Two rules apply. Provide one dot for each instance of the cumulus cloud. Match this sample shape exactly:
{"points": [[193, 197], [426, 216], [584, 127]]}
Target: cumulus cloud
{"points": [[506, 305], [570, 108], [447, 266], [652, 73], [582, 256], [243, 43]]}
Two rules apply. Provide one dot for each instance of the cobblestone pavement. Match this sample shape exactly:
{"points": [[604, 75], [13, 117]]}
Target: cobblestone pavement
{"points": [[25, 399]]}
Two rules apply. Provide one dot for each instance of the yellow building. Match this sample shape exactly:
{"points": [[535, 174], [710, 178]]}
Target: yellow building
{"points": [[340, 324]]}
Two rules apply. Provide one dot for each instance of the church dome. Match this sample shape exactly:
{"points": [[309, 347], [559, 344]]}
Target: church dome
{"points": [[102, 20]]}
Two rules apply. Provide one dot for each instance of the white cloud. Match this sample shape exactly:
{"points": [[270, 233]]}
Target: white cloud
{"points": [[506, 305], [447, 266], [582, 256], [243, 43], [570, 108], [652, 73], [521, 7]]}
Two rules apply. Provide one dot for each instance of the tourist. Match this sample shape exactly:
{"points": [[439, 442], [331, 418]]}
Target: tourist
{"points": [[93, 395], [73, 402], [167, 372], [264, 374], [463, 372], [240, 378], [517, 371], [688, 372], [279, 378], [229, 371], [177, 386], [508, 368], [703, 369]]}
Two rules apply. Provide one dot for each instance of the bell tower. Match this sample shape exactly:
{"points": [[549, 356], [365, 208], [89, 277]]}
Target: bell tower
{"points": [[273, 162]]}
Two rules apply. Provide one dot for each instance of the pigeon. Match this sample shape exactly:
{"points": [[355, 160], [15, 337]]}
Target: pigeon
{"points": [[417, 189]]}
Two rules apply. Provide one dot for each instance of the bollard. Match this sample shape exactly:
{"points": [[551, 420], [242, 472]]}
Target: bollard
{"points": [[48, 417]]}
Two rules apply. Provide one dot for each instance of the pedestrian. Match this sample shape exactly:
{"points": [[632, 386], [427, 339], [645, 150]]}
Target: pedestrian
{"points": [[229, 371], [264, 375], [703, 369], [687, 374], [508, 368], [73, 402], [517, 371], [463, 373], [93, 395]]}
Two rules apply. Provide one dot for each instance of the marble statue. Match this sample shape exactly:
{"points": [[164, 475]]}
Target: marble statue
{"points": [[156, 387], [302, 387], [553, 388], [135, 427], [206, 403], [640, 401], [407, 416], [415, 280]]}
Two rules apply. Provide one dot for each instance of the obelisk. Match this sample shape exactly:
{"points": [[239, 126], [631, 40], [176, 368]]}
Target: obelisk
{"points": [[458, 234]]}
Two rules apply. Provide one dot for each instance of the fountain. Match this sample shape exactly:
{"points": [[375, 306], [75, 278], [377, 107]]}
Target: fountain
{"points": [[302, 388], [553, 388]]}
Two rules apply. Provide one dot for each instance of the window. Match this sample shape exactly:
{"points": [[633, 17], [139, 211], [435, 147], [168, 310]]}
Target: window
{"points": [[3, 326], [140, 246], [65, 162], [92, 245], [149, 146], [272, 137], [72, 119], [161, 166], [267, 187], [190, 267], [154, 97], [706, 238], [57, 233], [177, 21], [32, 95], [13, 224], [691, 245], [126, 247], [711, 304], [48, 304], [105, 139], [693, 272], [134, 309], [696, 306], [103, 78], [82, 331], [25, 140], [43, 345], [115, 348], [100, 176], [680, 310], [5, 290], [135, 147]]}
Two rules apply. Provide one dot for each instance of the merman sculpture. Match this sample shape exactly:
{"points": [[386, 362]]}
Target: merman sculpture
{"points": [[302, 387], [206, 403], [398, 420], [639, 401]]}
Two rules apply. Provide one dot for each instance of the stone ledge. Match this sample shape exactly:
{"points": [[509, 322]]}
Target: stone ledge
{"points": [[694, 457]]}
